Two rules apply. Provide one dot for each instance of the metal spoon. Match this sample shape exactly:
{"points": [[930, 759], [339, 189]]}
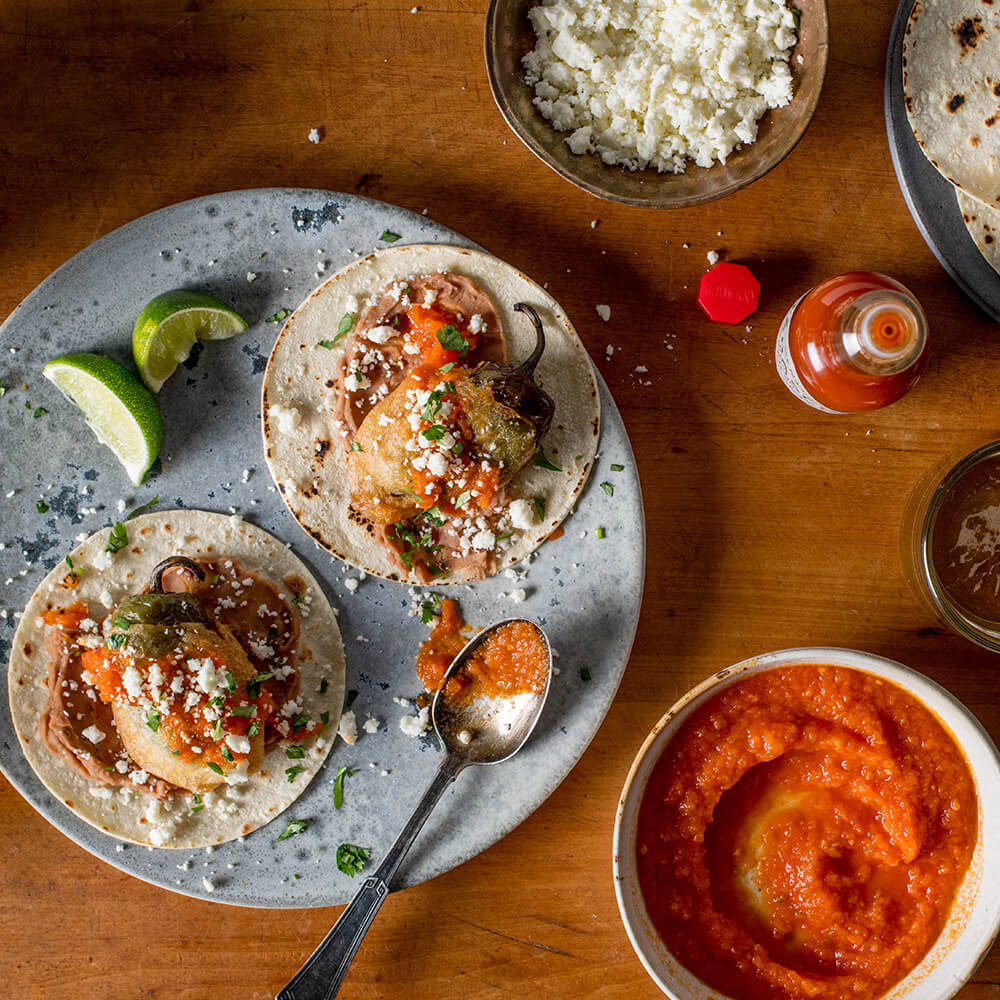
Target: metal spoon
{"points": [[481, 731]]}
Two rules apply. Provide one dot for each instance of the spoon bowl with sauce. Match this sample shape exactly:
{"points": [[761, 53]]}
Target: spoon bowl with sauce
{"points": [[483, 713]]}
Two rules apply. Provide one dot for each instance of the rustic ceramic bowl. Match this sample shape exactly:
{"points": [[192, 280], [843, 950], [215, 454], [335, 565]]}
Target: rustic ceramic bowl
{"points": [[975, 915], [509, 37]]}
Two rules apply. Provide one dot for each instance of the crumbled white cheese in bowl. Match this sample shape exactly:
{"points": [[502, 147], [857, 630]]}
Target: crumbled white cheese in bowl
{"points": [[660, 82]]}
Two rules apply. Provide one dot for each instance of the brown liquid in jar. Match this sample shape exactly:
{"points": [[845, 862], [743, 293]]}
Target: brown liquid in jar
{"points": [[965, 545]]}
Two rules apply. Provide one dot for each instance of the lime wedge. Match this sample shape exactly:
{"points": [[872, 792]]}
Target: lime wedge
{"points": [[119, 409], [169, 325]]}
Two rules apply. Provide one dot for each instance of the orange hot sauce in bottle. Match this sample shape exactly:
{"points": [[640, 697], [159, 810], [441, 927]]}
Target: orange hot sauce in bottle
{"points": [[857, 341]]}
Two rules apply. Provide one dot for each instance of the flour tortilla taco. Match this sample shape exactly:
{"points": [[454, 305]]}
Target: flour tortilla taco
{"points": [[429, 414], [951, 85], [182, 690]]}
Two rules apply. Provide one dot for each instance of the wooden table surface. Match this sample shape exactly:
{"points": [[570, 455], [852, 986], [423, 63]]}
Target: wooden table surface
{"points": [[769, 525]]}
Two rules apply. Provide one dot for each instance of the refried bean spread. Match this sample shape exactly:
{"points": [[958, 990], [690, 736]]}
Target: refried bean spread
{"points": [[804, 834]]}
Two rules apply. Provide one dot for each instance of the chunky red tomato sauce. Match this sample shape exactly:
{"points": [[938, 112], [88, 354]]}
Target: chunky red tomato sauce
{"points": [[803, 835], [513, 660]]}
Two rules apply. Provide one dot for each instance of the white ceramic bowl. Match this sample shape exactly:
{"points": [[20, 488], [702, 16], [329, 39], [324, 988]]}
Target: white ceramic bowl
{"points": [[975, 915]]}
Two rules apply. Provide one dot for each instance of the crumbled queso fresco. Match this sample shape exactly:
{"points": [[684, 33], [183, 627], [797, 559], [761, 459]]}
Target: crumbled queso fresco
{"points": [[657, 82]]}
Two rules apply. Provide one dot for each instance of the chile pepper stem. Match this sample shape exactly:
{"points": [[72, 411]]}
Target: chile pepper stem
{"points": [[156, 578], [528, 366]]}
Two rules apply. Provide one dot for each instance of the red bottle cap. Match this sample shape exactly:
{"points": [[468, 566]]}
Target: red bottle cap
{"points": [[728, 293]]}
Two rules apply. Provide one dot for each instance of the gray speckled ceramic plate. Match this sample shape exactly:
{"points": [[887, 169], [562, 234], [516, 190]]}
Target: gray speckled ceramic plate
{"points": [[929, 197], [264, 250]]}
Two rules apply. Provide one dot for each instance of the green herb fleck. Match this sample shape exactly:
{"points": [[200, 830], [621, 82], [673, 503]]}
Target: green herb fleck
{"points": [[346, 324], [599, 532], [324, 717], [118, 538], [447, 368], [227, 754], [298, 721], [338, 784], [615, 467], [216, 578], [349, 699], [356, 446], [388, 236], [122, 623], [253, 729], [212, 766], [450, 338], [294, 827], [230, 681], [351, 859], [608, 488], [39, 411], [463, 498], [541, 462], [198, 804], [115, 641], [328, 344], [278, 316], [291, 772], [295, 752], [323, 685], [435, 433], [244, 711], [153, 719], [538, 506], [253, 685], [217, 730], [42, 507], [428, 608], [585, 673], [797, 17]]}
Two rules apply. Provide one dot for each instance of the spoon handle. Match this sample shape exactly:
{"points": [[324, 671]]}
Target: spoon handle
{"points": [[324, 970]]}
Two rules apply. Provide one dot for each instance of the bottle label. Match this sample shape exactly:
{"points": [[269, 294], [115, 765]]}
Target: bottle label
{"points": [[786, 366]]}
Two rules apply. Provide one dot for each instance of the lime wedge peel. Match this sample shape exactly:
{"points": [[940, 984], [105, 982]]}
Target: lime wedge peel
{"points": [[119, 409], [169, 326]]}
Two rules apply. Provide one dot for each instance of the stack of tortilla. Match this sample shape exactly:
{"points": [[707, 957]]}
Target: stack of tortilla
{"points": [[951, 82]]}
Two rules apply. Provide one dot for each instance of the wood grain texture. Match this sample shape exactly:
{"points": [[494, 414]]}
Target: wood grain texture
{"points": [[769, 525]]}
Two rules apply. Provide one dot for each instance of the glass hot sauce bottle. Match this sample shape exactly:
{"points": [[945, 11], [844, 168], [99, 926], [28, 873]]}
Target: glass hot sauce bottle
{"points": [[857, 341]]}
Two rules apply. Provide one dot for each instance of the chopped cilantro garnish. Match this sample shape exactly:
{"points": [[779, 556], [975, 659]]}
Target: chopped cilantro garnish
{"points": [[457, 448], [197, 804], [324, 717], [230, 681], [291, 772], [217, 702], [323, 685], [298, 721], [615, 467], [351, 859], [153, 719], [428, 608], [388, 236], [356, 446], [298, 599], [797, 17], [585, 673], [217, 730], [115, 641], [346, 324], [278, 316], [294, 827], [295, 752], [3, 389], [450, 338], [216, 578], [123, 623], [212, 766], [338, 784], [447, 368], [538, 506], [38, 411], [244, 711], [227, 753], [42, 507], [463, 498], [435, 433], [253, 729], [118, 538], [143, 507], [599, 532], [328, 344], [541, 462], [608, 488], [253, 685]]}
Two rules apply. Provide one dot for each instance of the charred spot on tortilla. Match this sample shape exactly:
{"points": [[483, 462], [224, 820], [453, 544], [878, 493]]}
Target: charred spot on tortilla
{"points": [[956, 102], [322, 447], [990, 122], [968, 31]]}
